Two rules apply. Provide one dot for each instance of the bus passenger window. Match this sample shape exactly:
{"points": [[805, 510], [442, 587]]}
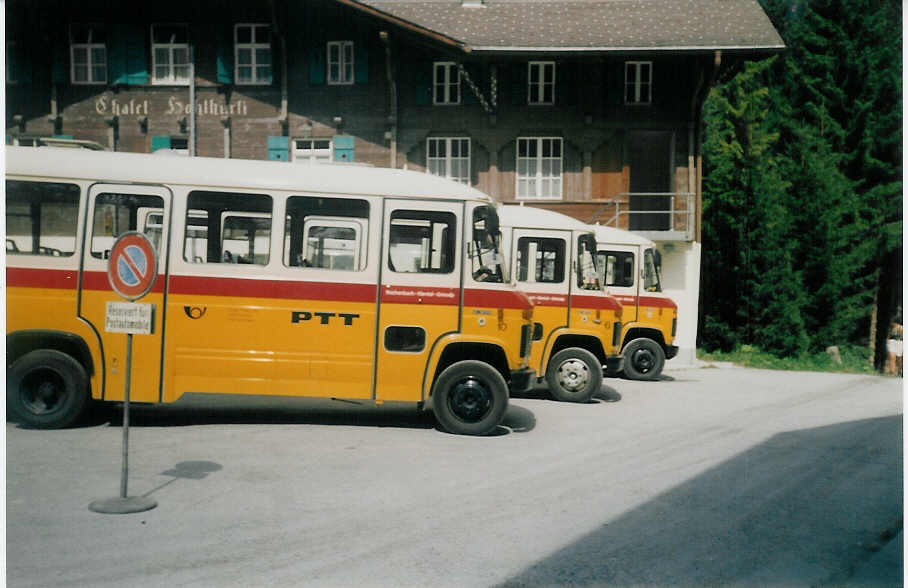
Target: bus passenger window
{"points": [[540, 260], [116, 214], [422, 242], [617, 267], [227, 227], [41, 218], [326, 233]]}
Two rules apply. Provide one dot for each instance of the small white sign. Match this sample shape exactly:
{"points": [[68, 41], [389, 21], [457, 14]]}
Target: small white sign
{"points": [[129, 317]]}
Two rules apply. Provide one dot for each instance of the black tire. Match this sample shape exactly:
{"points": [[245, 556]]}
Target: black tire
{"points": [[574, 375], [643, 359], [47, 389], [469, 398]]}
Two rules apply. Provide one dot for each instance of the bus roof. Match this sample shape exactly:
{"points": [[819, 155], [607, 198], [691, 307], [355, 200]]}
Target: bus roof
{"points": [[514, 215], [82, 164], [620, 236]]}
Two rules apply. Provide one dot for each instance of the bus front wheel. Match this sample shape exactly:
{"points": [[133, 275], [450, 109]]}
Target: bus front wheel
{"points": [[574, 375], [47, 389], [643, 359], [469, 398]]}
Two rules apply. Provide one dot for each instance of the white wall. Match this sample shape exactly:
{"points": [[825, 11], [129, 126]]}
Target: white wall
{"points": [[681, 281]]}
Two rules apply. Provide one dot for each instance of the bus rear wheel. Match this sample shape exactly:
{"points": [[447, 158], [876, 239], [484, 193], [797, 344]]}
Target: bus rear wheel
{"points": [[643, 359], [47, 389], [574, 375], [469, 398]]}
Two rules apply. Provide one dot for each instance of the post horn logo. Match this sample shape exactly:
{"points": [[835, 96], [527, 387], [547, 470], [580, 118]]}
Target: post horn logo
{"points": [[194, 312]]}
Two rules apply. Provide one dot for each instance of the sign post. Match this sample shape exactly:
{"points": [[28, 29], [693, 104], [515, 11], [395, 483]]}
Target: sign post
{"points": [[132, 270]]}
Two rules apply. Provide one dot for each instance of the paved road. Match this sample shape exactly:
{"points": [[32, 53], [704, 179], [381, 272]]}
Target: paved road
{"points": [[709, 477]]}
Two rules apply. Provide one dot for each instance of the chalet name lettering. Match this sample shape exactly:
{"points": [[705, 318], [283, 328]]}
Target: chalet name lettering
{"points": [[140, 107]]}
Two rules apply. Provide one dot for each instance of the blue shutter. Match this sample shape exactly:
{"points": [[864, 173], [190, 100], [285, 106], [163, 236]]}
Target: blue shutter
{"points": [[126, 61], [317, 65], [279, 148], [361, 63], [519, 83], [224, 41], [343, 148], [160, 142], [566, 84]]}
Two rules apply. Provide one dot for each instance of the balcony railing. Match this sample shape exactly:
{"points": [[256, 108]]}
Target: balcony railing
{"points": [[660, 216]]}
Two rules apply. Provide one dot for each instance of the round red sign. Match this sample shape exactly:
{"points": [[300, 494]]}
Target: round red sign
{"points": [[133, 265]]}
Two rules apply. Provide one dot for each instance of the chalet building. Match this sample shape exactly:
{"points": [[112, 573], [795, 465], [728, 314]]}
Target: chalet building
{"points": [[588, 107]]}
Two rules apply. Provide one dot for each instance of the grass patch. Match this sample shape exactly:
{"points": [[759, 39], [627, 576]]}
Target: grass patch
{"points": [[855, 360]]}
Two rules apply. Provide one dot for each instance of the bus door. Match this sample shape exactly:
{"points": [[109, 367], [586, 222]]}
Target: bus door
{"points": [[112, 211], [420, 292], [541, 261], [619, 266]]}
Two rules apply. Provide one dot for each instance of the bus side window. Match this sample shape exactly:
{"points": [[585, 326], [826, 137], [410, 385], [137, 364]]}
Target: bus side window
{"points": [[41, 218], [326, 233], [227, 227], [617, 266], [422, 242], [540, 260], [116, 214]]}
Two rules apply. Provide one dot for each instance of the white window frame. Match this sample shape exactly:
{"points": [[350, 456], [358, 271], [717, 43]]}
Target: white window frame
{"points": [[538, 88], [311, 154], [532, 186], [89, 47], [344, 64], [253, 47], [445, 91], [642, 91], [172, 47], [444, 163]]}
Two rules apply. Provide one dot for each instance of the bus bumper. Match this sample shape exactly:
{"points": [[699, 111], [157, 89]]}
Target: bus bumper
{"points": [[522, 380], [614, 364], [671, 351]]}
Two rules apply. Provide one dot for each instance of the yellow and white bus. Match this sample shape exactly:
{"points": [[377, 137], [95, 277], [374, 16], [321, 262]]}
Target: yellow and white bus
{"points": [[578, 325], [319, 281], [630, 268]]}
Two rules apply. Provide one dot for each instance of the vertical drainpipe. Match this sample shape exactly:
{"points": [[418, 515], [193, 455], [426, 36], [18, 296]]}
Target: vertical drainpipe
{"points": [[192, 112], [392, 99]]}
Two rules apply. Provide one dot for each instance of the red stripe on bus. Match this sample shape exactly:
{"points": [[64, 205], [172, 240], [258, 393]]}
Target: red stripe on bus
{"points": [[101, 281], [20, 277], [547, 299], [420, 295], [286, 289], [600, 302], [657, 301], [496, 298]]}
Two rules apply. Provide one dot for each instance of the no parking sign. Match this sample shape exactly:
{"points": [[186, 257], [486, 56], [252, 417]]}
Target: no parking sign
{"points": [[133, 266]]}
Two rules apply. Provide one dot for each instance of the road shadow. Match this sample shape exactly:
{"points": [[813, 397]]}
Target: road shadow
{"points": [[805, 508], [186, 470], [541, 392]]}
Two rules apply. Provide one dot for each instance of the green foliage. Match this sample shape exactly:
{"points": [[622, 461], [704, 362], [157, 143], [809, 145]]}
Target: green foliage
{"points": [[802, 190], [855, 360]]}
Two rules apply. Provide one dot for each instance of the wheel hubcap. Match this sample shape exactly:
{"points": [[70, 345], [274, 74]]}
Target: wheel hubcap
{"points": [[573, 375], [644, 360], [470, 399], [43, 391]]}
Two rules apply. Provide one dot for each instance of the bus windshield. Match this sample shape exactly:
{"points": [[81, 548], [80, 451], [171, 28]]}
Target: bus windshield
{"points": [[652, 268], [487, 263]]}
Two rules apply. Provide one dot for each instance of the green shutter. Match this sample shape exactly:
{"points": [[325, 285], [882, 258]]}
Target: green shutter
{"points": [[317, 65], [22, 63], [224, 41], [466, 91], [361, 63], [566, 84], [519, 84], [343, 148], [423, 82], [126, 63], [279, 148], [160, 142], [60, 68]]}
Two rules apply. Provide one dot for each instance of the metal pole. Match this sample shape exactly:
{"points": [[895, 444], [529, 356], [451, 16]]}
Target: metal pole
{"points": [[191, 104], [124, 473]]}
